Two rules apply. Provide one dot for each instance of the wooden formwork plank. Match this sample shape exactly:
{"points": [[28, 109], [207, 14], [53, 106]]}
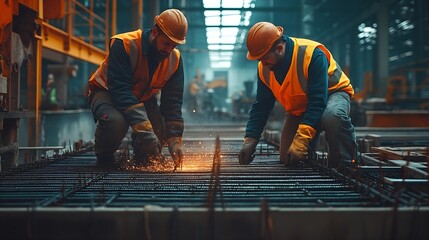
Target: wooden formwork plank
{"points": [[400, 154]]}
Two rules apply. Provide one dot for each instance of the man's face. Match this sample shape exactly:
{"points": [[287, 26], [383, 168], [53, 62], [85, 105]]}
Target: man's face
{"points": [[162, 46], [271, 59]]}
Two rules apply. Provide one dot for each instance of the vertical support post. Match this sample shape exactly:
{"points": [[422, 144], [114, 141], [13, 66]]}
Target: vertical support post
{"points": [[137, 13], [382, 62], [69, 25], [114, 12], [106, 26], [34, 83], [91, 21], [9, 136]]}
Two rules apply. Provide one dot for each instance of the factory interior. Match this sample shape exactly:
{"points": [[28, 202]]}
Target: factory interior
{"points": [[51, 187]]}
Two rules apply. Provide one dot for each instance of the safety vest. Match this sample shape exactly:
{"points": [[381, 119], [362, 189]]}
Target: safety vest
{"points": [[142, 88], [292, 94]]}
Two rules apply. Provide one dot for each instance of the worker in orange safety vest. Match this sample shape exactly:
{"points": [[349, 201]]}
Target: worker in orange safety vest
{"points": [[304, 78], [141, 69]]}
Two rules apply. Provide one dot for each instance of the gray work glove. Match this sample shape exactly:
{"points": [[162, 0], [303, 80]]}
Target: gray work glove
{"points": [[147, 143], [247, 150], [175, 149], [145, 140]]}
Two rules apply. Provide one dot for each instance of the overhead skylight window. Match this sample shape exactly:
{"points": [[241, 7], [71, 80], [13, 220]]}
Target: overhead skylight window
{"points": [[231, 18], [220, 47], [225, 22], [212, 18]]}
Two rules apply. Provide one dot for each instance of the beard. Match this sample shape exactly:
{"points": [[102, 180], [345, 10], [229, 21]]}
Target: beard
{"points": [[279, 63], [155, 53], [272, 67]]}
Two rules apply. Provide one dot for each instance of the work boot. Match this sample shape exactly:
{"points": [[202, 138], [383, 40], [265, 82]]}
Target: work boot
{"points": [[106, 162]]}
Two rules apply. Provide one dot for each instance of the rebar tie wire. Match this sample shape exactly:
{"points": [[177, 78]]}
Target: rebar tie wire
{"points": [[214, 189], [266, 227]]}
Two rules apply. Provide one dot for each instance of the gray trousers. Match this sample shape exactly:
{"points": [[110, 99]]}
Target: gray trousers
{"points": [[112, 126], [339, 131]]}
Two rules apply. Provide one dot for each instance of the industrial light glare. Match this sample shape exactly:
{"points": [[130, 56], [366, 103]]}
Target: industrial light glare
{"points": [[231, 31], [212, 21], [211, 3], [211, 13], [221, 64], [231, 20], [221, 53], [232, 4], [220, 47]]}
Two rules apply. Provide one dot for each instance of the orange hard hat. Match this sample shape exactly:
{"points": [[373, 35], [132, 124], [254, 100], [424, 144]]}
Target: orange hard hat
{"points": [[261, 38], [174, 24]]}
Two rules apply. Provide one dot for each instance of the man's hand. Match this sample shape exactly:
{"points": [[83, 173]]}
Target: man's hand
{"points": [[247, 150], [145, 140], [147, 143], [298, 150], [175, 149]]}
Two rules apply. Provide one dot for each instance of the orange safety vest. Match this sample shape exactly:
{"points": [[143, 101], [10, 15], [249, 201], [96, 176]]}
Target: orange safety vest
{"points": [[143, 88], [292, 94]]}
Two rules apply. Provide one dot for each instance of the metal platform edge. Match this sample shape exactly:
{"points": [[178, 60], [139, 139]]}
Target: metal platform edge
{"points": [[153, 222]]}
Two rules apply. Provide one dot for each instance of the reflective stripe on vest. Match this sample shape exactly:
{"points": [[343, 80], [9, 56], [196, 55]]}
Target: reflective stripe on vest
{"points": [[292, 94], [143, 88]]}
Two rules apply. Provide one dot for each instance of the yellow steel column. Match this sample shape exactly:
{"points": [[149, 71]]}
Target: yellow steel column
{"points": [[39, 47], [34, 82], [38, 100], [91, 21], [140, 11], [137, 14], [69, 25], [106, 27], [114, 12]]}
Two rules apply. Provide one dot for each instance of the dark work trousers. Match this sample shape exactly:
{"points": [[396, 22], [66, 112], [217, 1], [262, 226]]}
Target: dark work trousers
{"points": [[339, 131], [112, 126]]}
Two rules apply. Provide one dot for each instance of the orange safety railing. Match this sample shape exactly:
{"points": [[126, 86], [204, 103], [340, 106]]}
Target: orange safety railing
{"points": [[94, 22], [74, 28]]}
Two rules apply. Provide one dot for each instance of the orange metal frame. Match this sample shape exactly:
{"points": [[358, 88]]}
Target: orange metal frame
{"points": [[64, 41]]}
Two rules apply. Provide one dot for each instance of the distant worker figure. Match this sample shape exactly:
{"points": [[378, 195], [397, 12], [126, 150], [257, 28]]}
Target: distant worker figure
{"points": [[49, 95], [306, 80], [194, 89], [124, 92]]}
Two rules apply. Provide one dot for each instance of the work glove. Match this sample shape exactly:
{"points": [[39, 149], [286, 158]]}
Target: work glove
{"points": [[247, 150], [144, 139], [146, 143], [175, 149], [298, 150]]}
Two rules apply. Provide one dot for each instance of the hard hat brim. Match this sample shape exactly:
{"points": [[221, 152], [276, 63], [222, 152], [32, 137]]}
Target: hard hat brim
{"points": [[249, 56], [164, 30]]}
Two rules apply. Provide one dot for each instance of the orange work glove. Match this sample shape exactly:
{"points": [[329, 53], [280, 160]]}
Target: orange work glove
{"points": [[298, 150], [247, 150]]}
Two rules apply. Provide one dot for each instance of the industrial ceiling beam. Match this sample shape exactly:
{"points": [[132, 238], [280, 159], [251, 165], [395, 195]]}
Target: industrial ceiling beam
{"points": [[206, 50], [193, 26], [256, 9]]}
